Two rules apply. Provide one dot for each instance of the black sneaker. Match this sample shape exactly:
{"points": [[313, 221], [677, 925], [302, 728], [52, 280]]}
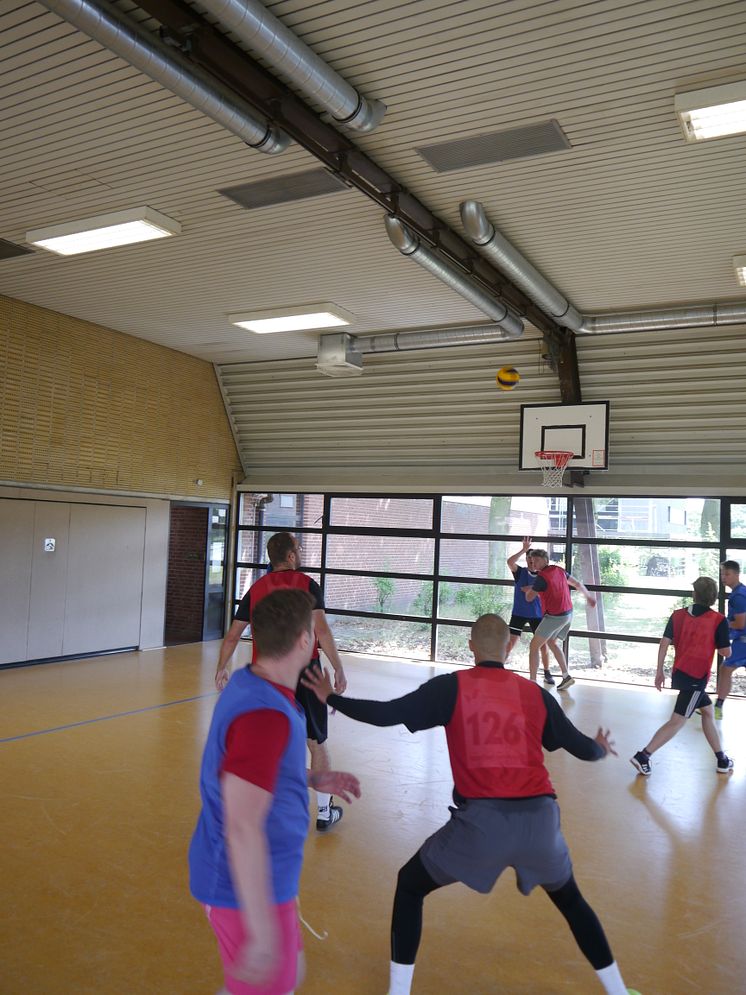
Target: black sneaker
{"points": [[565, 683], [548, 679], [642, 762], [335, 814], [725, 766]]}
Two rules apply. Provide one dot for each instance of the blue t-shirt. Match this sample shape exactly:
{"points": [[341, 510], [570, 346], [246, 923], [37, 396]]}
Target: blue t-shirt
{"points": [[287, 822], [736, 606], [522, 607]]}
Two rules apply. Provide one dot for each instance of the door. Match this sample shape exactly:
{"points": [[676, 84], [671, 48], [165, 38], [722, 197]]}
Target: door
{"points": [[104, 590]]}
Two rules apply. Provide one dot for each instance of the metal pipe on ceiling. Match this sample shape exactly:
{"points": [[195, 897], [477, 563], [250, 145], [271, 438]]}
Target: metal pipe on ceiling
{"points": [[429, 338], [498, 250], [131, 41], [495, 247], [288, 55], [409, 245]]}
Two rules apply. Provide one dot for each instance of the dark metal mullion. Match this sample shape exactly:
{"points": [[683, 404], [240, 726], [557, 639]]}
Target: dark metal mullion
{"points": [[280, 528], [359, 613], [618, 636], [568, 561], [325, 515], [436, 523], [345, 572], [653, 543]]}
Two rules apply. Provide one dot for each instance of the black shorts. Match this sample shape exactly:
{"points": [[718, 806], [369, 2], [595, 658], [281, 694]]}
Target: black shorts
{"points": [[316, 713], [518, 624], [691, 693]]}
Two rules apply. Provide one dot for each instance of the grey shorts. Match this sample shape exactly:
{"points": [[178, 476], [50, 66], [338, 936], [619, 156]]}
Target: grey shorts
{"points": [[554, 626], [486, 835]]}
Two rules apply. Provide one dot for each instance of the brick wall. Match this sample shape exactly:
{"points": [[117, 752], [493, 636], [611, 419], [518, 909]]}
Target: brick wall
{"points": [[82, 405], [185, 591]]}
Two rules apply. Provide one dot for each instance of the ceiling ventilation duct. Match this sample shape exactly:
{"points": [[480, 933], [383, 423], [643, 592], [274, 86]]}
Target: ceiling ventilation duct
{"points": [[409, 245], [286, 53], [495, 247], [341, 354], [166, 65]]}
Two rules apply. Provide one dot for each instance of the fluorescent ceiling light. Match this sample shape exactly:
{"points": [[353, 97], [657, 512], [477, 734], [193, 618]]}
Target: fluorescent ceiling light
{"points": [[739, 264], [293, 319], [714, 112], [106, 231]]}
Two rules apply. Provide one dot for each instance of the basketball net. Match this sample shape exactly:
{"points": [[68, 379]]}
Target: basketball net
{"points": [[553, 463]]}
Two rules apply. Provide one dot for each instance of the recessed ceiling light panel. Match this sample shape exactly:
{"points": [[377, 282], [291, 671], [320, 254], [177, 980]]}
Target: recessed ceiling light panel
{"points": [[739, 264], [293, 319], [714, 112], [106, 231]]}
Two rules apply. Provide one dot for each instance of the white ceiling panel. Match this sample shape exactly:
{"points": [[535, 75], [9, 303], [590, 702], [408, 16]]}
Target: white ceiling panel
{"points": [[631, 216]]}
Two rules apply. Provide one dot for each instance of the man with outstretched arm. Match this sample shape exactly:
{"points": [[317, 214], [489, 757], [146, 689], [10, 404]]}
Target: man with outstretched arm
{"points": [[246, 853], [496, 723], [552, 588], [285, 555], [525, 614]]}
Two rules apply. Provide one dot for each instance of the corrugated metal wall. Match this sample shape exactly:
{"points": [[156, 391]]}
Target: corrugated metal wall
{"points": [[435, 419]]}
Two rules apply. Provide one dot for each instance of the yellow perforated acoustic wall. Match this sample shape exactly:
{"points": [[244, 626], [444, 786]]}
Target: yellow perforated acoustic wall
{"points": [[84, 406]]}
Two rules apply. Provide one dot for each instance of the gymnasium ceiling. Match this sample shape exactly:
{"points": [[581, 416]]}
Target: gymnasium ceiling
{"points": [[630, 216]]}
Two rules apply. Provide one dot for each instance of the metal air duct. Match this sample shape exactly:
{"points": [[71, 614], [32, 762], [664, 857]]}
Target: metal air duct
{"points": [[286, 53], [409, 245], [689, 316], [430, 338], [131, 41], [341, 354], [508, 260], [495, 247]]}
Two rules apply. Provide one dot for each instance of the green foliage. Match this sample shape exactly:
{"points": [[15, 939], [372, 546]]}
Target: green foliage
{"points": [[611, 567], [482, 599], [384, 592]]}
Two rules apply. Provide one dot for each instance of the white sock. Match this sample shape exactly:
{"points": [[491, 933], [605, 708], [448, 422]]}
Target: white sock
{"points": [[400, 979], [611, 979], [323, 801]]}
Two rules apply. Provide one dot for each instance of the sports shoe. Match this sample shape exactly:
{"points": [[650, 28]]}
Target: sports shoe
{"points": [[335, 814], [565, 683], [548, 679], [642, 762], [718, 712], [725, 766]]}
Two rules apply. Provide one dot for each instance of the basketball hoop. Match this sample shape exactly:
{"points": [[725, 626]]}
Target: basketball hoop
{"points": [[553, 463]]}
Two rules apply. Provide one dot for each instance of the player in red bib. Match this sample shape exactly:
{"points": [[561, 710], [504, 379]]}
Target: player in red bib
{"points": [[284, 553], [695, 632], [505, 811], [552, 588]]}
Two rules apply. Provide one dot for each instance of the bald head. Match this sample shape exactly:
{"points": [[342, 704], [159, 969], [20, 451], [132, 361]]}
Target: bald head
{"points": [[489, 638]]}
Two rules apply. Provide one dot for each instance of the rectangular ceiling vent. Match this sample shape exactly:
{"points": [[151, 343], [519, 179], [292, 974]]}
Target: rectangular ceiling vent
{"points": [[9, 250], [499, 146], [283, 189]]}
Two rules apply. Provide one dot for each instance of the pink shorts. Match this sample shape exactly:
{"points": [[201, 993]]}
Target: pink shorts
{"points": [[229, 930]]}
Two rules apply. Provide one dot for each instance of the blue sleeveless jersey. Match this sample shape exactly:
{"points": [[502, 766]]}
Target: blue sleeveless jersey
{"points": [[737, 605], [521, 607], [287, 823]]}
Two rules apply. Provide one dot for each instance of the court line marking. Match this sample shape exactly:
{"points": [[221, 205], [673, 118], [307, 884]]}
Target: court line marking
{"points": [[105, 718]]}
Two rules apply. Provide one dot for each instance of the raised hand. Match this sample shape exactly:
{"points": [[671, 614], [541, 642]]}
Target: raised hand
{"points": [[527, 540]]}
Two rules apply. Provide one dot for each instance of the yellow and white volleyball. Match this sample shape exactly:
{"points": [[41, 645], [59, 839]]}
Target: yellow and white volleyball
{"points": [[507, 377]]}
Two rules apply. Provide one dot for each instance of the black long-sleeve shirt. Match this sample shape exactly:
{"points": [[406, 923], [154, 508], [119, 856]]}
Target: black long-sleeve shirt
{"points": [[432, 705]]}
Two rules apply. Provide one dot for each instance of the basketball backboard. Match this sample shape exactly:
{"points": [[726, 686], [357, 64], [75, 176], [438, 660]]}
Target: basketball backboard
{"points": [[582, 429]]}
